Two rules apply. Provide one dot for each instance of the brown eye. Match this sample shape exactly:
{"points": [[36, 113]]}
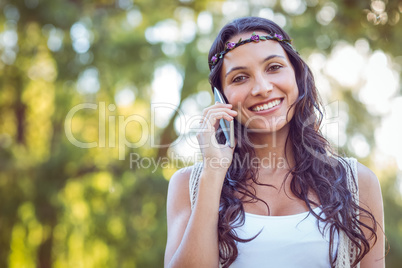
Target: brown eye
{"points": [[239, 79], [274, 68]]}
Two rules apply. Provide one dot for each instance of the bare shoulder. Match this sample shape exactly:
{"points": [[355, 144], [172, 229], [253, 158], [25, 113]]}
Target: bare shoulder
{"points": [[178, 199], [179, 182], [368, 182], [371, 200], [370, 192]]}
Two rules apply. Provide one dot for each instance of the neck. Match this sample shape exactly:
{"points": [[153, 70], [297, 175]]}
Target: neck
{"points": [[271, 151]]}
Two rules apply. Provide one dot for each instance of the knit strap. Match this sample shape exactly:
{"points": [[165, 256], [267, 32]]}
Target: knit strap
{"points": [[353, 182], [193, 183], [347, 251]]}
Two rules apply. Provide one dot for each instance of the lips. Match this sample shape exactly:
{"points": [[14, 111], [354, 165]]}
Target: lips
{"points": [[266, 105]]}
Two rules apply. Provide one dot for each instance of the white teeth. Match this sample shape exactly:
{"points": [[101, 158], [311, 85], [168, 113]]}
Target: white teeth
{"points": [[267, 105]]}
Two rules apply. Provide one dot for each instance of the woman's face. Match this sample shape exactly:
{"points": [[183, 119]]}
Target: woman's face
{"points": [[259, 81]]}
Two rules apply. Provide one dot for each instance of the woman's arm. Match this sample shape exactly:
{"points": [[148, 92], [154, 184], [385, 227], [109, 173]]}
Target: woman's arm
{"points": [[193, 235], [371, 200]]}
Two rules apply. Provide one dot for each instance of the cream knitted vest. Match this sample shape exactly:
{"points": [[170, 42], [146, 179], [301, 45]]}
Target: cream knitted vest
{"points": [[346, 250]]}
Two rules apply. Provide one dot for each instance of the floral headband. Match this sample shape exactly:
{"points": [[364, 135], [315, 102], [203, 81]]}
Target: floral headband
{"points": [[254, 38]]}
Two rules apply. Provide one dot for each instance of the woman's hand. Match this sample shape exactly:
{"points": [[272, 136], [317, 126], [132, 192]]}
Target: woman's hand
{"points": [[216, 156]]}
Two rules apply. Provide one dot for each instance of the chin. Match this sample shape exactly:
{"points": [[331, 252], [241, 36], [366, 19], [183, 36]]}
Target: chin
{"points": [[271, 127]]}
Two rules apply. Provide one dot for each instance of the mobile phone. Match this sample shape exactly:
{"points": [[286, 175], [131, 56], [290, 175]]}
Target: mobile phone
{"points": [[227, 126]]}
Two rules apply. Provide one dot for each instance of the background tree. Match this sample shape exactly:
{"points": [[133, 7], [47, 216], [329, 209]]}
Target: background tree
{"points": [[64, 205]]}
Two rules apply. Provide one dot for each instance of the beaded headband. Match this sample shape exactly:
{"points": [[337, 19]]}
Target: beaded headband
{"points": [[254, 38]]}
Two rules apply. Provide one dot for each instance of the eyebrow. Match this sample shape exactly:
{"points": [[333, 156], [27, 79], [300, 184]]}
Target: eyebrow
{"points": [[264, 60], [271, 57]]}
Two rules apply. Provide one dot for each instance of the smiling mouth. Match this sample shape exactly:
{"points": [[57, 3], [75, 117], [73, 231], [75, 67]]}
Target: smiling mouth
{"points": [[266, 106]]}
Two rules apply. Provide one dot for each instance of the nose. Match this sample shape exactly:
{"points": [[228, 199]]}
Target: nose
{"points": [[262, 86]]}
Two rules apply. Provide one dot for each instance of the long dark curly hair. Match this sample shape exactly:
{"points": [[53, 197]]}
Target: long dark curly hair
{"points": [[317, 168]]}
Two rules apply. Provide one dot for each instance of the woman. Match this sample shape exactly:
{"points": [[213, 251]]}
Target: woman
{"points": [[280, 198]]}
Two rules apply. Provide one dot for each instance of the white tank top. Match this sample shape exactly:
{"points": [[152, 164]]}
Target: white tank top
{"points": [[300, 245], [285, 241]]}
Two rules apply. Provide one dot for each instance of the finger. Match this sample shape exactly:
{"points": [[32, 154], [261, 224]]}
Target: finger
{"points": [[210, 110], [210, 125], [213, 119], [225, 110], [227, 144], [230, 113], [217, 105]]}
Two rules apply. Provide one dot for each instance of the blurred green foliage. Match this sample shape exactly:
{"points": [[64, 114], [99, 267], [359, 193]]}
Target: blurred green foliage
{"points": [[65, 206]]}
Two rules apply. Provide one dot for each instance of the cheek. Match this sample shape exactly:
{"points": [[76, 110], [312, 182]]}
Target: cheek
{"points": [[236, 97], [295, 92], [290, 87]]}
